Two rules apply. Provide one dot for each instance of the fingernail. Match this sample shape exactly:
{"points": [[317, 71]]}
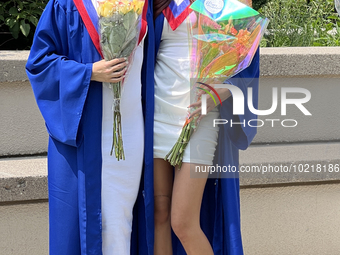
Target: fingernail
{"points": [[125, 58]]}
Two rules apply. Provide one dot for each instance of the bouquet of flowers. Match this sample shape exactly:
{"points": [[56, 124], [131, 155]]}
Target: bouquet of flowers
{"points": [[120, 25], [224, 36]]}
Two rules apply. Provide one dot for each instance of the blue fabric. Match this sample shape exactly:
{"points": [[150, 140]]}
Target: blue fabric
{"points": [[146, 225], [59, 68], [220, 212]]}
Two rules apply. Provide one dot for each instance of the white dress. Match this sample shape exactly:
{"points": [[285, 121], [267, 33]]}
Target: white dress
{"points": [[172, 97], [121, 179]]}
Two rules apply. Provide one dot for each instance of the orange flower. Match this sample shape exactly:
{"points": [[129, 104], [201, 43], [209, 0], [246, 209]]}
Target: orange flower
{"points": [[233, 31], [243, 36]]}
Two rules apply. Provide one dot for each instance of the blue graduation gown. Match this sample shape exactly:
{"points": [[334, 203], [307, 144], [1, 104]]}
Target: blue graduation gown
{"points": [[220, 212], [59, 68]]}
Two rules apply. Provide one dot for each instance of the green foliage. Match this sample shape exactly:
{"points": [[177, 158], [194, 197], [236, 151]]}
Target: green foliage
{"points": [[301, 23], [257, 4], [20, 17], [292, 22]]}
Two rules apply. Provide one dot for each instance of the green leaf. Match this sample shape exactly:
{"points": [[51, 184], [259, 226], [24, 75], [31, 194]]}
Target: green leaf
{"points": [[329, 26], [15, 30], [2, 18], [128, 20], [13, 11], [10, 22], [33, 20], [33, 5], [126, 52], [25, 28], [333, 17], [112, 36], [22, 15], [21, 5]]}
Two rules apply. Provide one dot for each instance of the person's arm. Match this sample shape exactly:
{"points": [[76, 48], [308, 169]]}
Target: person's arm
{"points": [[60, 85], [241, 135]]}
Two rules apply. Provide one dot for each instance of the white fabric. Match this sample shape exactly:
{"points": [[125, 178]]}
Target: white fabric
{"points": [[120, 179], [172, 97]]}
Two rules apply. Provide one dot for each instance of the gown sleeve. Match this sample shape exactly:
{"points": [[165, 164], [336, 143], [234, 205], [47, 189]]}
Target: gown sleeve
{"points": [[242, 134], [59, 84]]}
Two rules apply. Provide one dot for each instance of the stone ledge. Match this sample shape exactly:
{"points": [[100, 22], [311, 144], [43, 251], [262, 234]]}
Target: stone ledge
{"points": [[300, 61], [24, 179], [12, 65], [300, 163]]}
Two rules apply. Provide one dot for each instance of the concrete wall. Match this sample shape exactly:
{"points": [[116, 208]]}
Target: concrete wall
{"points": [[282, 213], [322, 125], [18, 109], [22, 129], [303, 220], [24, 229], [315, 69]]}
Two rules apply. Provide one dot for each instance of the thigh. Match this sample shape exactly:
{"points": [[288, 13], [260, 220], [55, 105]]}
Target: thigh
{"points": [[163, 178], [187, 193]]}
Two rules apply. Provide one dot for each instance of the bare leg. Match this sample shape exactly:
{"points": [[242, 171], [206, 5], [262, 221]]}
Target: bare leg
{"points": [[163, 181], [185, 212]]}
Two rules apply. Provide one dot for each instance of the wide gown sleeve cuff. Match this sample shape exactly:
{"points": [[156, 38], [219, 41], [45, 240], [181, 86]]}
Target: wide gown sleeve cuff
{"points": [[87, 82]]}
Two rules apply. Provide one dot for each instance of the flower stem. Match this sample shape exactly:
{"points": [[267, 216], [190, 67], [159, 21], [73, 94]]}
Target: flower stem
{"points": [[117, 141]]}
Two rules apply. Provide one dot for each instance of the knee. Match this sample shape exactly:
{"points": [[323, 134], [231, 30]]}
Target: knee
{"points": [[182, 226], [162, 210]]}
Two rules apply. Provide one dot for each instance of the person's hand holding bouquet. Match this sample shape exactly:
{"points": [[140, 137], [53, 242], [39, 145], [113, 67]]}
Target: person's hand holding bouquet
{"points": [[112, 71], [120, 24]]}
